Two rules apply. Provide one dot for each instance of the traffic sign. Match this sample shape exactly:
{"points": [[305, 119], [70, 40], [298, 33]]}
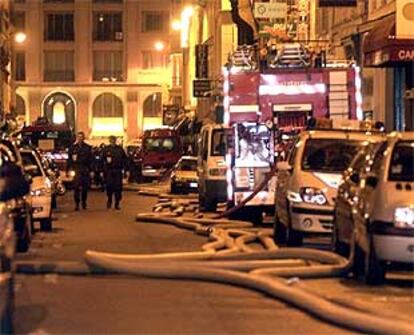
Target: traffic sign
{"points": [[202, 88]]}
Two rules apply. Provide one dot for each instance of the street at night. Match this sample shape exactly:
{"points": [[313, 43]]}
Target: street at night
{"points": [[207, 167], [53, 304]]}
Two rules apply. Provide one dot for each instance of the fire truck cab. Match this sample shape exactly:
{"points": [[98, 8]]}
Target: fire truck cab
{"points": [[53, 140], [161, 150]]}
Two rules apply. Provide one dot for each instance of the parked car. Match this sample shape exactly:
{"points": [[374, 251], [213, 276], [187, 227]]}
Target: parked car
{"points": [[20, 206], [13, 188], [379, 220], [41, 188], [307, 183], [184, 175]]}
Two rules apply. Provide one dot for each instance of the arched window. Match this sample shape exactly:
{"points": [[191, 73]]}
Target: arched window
{"points": [[59, 108], [107, 116], [107, 105], [20, 109], [153, 105]]}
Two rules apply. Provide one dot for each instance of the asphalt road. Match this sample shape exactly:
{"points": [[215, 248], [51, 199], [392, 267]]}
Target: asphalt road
{"points": [[53, 304]]}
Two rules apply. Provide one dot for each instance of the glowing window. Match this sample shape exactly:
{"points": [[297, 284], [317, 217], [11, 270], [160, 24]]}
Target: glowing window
{"points": [[59, 116]]}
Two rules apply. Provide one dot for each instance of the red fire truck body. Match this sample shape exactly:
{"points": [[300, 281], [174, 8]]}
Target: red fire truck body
{"points": [[161, 150], [53, 140], [266, 108]]}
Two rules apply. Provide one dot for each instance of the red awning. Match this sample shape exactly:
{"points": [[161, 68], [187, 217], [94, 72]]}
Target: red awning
{"points": [[381, 48]]}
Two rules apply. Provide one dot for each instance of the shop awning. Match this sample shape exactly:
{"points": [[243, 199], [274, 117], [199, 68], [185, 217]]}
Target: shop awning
{"points": [[382, 49]]}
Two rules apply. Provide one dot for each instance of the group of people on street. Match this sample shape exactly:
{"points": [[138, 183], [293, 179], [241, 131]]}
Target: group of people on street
{"points": [[114, 163]]}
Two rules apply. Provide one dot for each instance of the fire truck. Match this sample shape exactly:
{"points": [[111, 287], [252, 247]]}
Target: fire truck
{"points": [[161, 150], [266, 106], [53, 140]]}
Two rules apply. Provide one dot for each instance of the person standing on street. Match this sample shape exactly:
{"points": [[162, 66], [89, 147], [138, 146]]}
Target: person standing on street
{"points": [[80, 161], [115, 161]]}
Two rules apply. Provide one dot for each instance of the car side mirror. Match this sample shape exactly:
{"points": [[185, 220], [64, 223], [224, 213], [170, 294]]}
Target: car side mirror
{"points": [[355, 178], [372, 181], [284, 166]]}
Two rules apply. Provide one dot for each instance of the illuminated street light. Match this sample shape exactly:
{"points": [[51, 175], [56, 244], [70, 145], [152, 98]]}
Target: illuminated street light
{"points": [[188, 11], [159, 46], [186, 15], [20, 37], [176, 25]]}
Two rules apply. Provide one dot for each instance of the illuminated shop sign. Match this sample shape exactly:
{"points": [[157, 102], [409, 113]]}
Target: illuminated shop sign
{"points": [[406, 54]]}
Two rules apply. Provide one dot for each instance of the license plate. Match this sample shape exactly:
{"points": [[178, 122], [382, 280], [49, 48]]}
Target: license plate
{"points": [[193, 184]]}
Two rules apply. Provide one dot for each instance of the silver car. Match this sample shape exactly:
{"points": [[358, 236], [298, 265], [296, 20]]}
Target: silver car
{"points": [[374, 212]]}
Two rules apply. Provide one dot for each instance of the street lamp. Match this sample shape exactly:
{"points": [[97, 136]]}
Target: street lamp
{"points": [[159, 46], [186, 20], [20, 37], [176, 25]]}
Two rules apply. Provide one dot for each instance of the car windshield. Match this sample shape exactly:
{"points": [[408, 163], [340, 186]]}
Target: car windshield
{"points": [[160, 144], [218, 143], [329, 155], [402, 162], [187, 165], [29, 160], [49, 140]]}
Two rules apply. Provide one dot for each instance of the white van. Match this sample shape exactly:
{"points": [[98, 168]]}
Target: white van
{"points": [[211, 167]]}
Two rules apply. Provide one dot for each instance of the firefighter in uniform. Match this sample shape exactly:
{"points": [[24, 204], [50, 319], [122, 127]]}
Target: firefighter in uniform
{"points": [[115, 161], [80, 160]]}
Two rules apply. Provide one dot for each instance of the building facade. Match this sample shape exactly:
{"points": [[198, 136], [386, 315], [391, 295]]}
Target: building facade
{"points": [[5, 58], [377, 35], [102, 66]]}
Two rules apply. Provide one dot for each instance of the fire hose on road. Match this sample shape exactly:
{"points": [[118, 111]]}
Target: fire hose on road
{"points": [[229, 257], [234, 263]]}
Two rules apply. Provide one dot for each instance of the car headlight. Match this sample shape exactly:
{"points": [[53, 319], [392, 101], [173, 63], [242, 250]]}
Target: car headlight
{"points": [[40, 192], [404, 217], [313, 195], [217, 172]]}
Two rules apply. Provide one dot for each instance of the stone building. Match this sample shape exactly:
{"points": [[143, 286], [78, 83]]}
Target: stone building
{"points": [[5, 58], [103, 66], [379, 36]]}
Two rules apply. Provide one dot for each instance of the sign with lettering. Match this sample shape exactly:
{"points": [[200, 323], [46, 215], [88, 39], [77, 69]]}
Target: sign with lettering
{"points": [[201, 53], [270, 10], [406, 54], [202, 88]]}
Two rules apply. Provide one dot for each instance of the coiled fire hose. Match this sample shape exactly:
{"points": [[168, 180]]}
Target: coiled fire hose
{"points": [[227, 259], [252, 269]]}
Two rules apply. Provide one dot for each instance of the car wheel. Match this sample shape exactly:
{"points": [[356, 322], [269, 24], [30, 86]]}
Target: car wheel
{"points": [[54, 201], [358, 260], [23, 242], [32, 225], [6, 264], [279, 231], [7, 317], [46, 224], [338, 247], [201, 202], [375, 269], [211, 204], [294, 238]]}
